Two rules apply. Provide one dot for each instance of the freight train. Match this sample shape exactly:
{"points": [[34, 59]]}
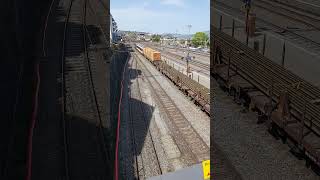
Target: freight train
{"points": [[282, 99], [152, 55], [199, 93]]}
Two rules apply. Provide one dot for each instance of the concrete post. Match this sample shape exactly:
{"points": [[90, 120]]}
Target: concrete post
{"points": [[283, 53], [264, 44], [232, 28], [220, 23]]}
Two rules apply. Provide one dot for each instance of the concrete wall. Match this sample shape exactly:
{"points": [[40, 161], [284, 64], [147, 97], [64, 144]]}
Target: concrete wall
{"points": [[20, 23], [118, 60]]}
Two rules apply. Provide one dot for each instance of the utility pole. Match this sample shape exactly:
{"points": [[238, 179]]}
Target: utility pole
{"points": [[188, 56], [176, 43]]}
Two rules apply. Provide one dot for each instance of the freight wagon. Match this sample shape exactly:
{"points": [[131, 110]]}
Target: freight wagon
{"points": [[289, 104], [152, 55], [199, 93]]}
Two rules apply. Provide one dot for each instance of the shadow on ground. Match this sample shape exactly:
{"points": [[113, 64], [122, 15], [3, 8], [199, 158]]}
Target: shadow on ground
{"points": [[136, 118], [87, 159]]}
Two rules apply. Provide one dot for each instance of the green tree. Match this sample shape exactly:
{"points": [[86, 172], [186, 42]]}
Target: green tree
{"points": [[155, 38], [199, 39], [182, 42]]}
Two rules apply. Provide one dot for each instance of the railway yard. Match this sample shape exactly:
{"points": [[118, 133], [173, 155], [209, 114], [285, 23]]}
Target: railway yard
{"points": [[159, 123], [266, 88], [140, 109], [163, 121], [199, 65], [67, 136]]}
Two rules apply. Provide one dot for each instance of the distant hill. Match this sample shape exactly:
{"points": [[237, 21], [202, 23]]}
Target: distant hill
{"points": [[169, 35], [188, 36], [184, 36]]}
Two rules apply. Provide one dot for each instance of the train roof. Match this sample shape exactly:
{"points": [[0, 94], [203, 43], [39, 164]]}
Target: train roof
{"points": [[140, 45]]}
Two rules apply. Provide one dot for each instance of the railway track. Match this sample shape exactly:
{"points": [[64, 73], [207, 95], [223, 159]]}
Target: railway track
{"points": [[85, 153], [191, 51], [177, 57], [310, 7], [286, 33], [193, 149], [296, 111], [196, 63], [147, 163], [69, 144], [204, 70], [205, 55], [200, 65], [289, 11]]}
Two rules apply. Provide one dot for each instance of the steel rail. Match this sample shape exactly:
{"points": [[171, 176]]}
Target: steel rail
{"points": [[100, 26], [63, 93], [204, 54], [133, 124], [185, 147], [278, 8], [192, 51], [86, 36], [96, 49], [145, 121], [287, 33], [134, 144], [302, 5], [186, 83], [195, 63]]}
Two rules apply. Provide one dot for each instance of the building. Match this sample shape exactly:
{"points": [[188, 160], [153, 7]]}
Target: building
{"points": [[113, 30]]}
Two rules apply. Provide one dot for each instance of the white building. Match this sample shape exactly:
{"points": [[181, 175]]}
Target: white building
{"points": [[113, 29]]}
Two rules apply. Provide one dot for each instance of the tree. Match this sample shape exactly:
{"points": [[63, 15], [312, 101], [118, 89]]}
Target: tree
{"points": [[182, 42], [155, 38], [199, 39]]}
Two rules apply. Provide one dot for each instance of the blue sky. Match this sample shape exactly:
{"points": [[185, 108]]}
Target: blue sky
{"points": [[161, 16]]}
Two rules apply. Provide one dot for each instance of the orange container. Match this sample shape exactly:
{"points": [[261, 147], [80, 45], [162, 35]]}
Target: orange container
{"points": [[151, 54]]}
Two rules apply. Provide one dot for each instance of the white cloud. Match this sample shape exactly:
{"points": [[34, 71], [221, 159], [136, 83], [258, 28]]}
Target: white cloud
{"points": [[179, 3]]}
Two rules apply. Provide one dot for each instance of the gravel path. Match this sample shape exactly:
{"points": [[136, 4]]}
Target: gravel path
{"points": [[250, 148], [168, 152], [198, 119]]}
